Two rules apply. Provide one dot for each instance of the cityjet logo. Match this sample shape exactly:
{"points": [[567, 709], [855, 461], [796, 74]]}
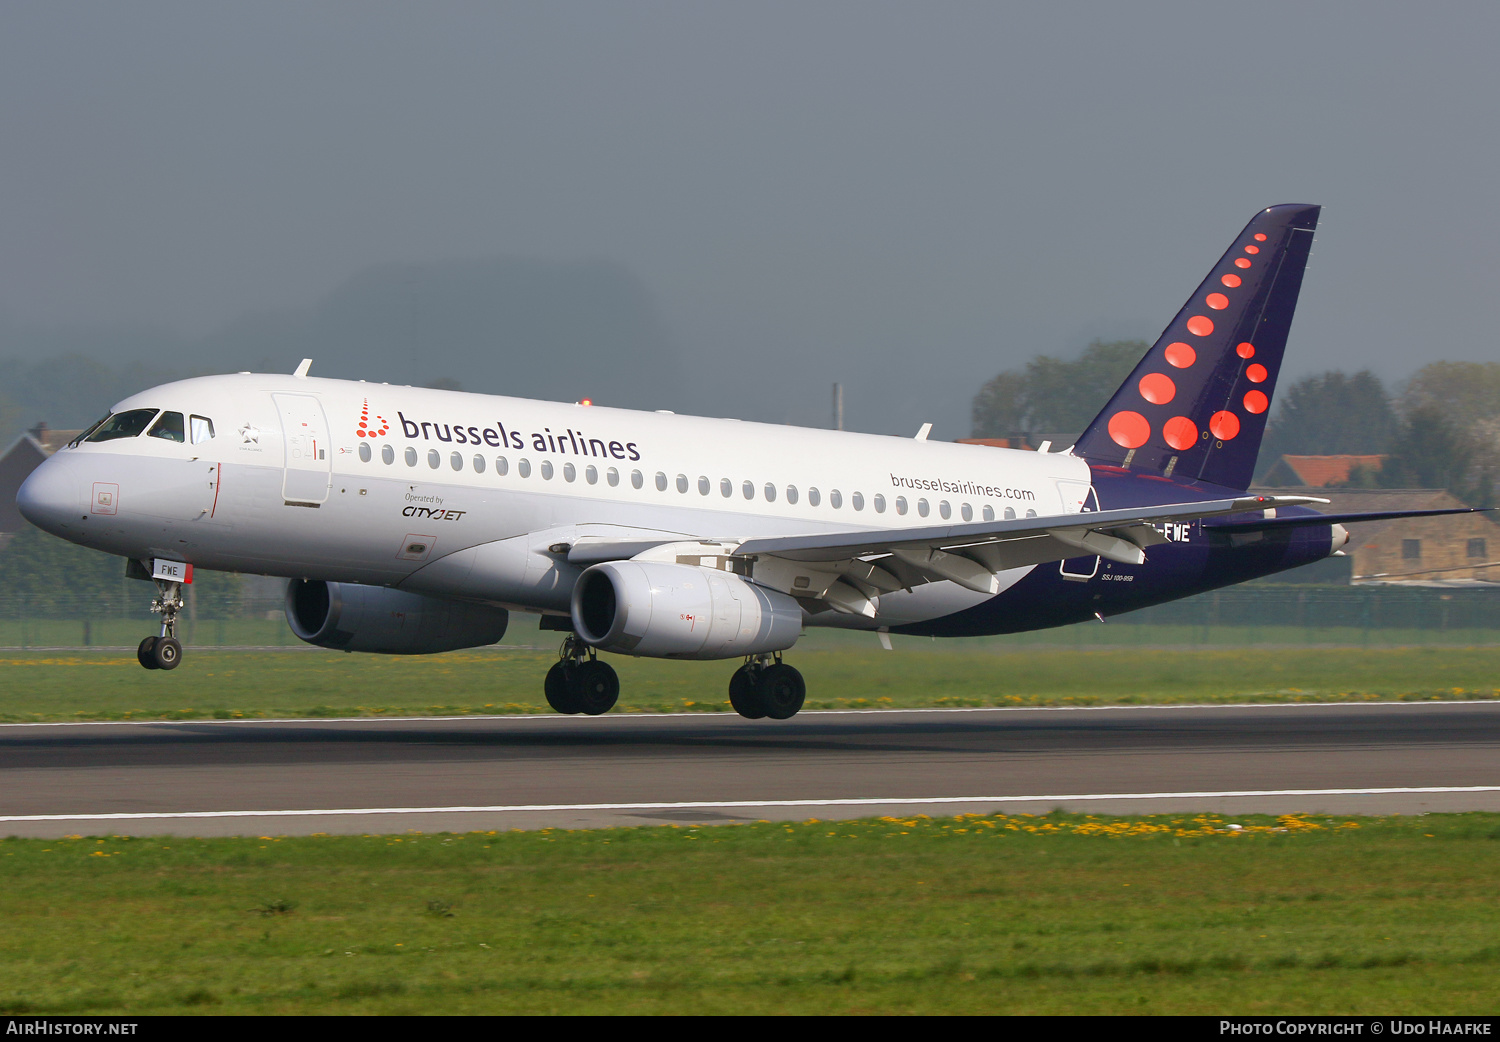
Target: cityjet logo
{"points": [[367, 429]]}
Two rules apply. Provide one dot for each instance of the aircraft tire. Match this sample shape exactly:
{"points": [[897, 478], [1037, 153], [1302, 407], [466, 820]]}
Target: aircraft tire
{"points": [[782, 691], [744, 694], [167, 653], [594, 687], [146, 653], [559, 691]]}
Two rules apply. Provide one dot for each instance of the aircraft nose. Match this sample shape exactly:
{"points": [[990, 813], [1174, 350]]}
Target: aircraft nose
{"points": [[50, 497]]}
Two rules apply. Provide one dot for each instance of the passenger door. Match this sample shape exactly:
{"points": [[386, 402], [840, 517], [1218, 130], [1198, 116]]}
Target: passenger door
{"points": [[309, 462]]}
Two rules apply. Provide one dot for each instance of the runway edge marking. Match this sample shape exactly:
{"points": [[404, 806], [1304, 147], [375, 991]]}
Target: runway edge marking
{"points": [[746, 804]]}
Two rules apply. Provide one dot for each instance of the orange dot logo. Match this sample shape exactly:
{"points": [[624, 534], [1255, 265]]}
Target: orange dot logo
{"points": [[1252, 249], [1217, 301], [1241, 262], [1256, 402], [1245, 350], [1129, 429], [1158, 388], [1260, 236], [1200, 325], [1181, 355], [1180, 432], [364, 430], [1230, 280], [1256, 372], [1224, 425]]}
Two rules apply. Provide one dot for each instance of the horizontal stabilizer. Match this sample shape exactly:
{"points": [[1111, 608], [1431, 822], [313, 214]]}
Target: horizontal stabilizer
{"points": [[1302, 521]]}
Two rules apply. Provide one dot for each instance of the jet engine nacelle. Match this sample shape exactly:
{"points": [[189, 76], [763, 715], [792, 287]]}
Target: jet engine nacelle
{"points": [[665, 610], [350, 617]]}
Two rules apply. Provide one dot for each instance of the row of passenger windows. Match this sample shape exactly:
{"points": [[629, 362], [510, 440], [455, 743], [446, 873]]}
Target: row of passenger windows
{"points": [[705, 486]]}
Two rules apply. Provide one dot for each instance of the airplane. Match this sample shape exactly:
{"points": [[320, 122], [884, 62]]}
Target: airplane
{"points": [[413, 520]]}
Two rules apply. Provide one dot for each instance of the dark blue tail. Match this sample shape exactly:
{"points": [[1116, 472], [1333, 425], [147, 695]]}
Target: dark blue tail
{"points": [[1196, 406]]}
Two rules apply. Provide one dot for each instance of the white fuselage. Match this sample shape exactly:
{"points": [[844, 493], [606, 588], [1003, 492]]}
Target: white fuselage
{"points": [[461, 495]]}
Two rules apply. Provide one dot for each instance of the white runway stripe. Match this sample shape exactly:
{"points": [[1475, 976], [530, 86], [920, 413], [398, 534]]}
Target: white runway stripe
{"points": [[750, 804]]}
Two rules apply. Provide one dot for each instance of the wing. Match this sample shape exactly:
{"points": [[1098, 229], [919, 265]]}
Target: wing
{"points": [[847, 571]]}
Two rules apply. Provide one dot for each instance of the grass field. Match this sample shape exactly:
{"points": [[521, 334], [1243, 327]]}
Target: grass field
{"points": [[842, 671], [979, 914]]}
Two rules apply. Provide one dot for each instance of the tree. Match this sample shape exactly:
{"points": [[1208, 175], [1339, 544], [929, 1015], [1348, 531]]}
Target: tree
{"points": [[1466, 393], [1054, 397], [1431, 451], [1329, 414]]}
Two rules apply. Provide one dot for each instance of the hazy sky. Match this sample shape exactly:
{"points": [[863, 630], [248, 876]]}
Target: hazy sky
{"points": [[908, 197]]}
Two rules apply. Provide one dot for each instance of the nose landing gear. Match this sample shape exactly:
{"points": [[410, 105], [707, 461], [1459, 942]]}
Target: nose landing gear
{"points": [[766, 687], [579, 682], [164, 651]]}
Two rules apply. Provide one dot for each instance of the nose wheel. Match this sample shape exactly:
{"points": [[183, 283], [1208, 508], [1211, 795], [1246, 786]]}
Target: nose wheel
{"points": [[164, 651]]}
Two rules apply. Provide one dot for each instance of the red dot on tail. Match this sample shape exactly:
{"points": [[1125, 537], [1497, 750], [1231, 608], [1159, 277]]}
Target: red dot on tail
{"points": [[1241, 262], [1217, 301], [1224, 425], [1230, 280], [1180, 432], [1245, 350], [1181, 355], [1256, 402], [1256, 372], [1252, 249], [1260, 236], [1158, 388], [1129, 429], [1200, 325]]}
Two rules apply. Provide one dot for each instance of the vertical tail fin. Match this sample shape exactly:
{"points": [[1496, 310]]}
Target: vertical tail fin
{"points": [[1196, 406]]}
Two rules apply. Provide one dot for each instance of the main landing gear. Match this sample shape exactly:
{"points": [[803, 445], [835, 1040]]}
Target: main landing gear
{"points": [[766, 687], [165, 651], [580, 683]]}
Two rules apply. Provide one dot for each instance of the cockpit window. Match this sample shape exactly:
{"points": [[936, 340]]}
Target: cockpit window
{"points": [[169, 428], [125, 425], [91, 429], [202, 429]]}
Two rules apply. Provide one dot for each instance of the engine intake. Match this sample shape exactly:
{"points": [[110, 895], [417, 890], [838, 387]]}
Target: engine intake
{"points": [[350, 617], [659, 610]]}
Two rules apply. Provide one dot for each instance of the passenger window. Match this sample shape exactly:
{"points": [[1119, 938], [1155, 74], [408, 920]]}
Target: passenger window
{"points": [[704, 486], [612, 476], [682, 483], [411, 456], [857, 500], [901, 504], [387, 455], [879, 503], [478, 464], [770, 492], [546, 470], [791, 493], [124, 425], [989, 512], [748, 489], [1031, 513], [364, 452], [434, 459], [637, 479], [591, 474], [922, 507], [202, 429], [661, 482], [1010, 513], [944, 510], [456, 461], [967, 512], [726, 487], [523, 468], [813, 498], [569, 472], [835, 499], [502, 466]]}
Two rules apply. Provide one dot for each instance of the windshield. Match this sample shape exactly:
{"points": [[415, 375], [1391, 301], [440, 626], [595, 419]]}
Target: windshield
{"points": [[91, 429], [169, 428], [124, 425]]}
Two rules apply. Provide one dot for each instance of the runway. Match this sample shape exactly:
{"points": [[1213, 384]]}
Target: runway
{"points": [[428, 775]]}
